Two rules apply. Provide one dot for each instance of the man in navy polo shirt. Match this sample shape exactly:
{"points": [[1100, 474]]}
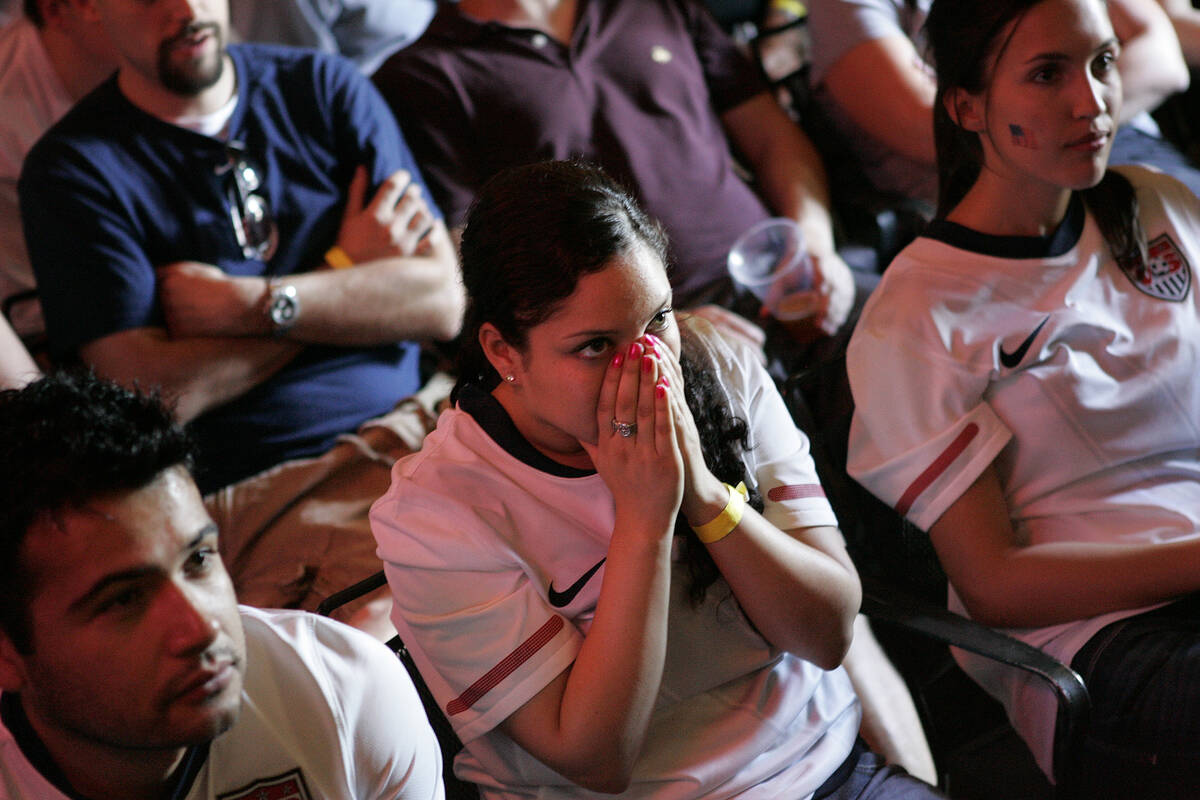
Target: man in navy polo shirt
{"points": [[245, 228]]}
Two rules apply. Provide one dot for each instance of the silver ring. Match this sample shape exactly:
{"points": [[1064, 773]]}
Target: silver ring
{"points": [[626, 429]]}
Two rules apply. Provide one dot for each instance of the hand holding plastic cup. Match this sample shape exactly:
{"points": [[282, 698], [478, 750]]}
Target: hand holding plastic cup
{"points": [[771, 261]]}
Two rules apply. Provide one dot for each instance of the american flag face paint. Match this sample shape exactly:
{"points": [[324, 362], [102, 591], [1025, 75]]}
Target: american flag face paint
{"points": [[1021, 137]]}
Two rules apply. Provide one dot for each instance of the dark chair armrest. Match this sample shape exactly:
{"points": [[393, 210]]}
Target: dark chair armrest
{"points": [[351, 592], [885, 603], [447, 739]]}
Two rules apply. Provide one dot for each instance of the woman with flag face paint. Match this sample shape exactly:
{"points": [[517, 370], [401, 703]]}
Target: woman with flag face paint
{"points": [[613, 561], [1025, 387]]}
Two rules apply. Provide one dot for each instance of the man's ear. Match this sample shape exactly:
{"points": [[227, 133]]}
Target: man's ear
{"points": [[965, 109], [12, 665], [503, 357]]}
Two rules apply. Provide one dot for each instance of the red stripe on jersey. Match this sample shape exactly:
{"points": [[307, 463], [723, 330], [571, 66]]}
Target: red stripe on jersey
{"points": [[934, 470], [536, 641], [796, 491]]}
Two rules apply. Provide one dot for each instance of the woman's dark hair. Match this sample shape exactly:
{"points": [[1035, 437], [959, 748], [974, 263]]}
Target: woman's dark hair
{"points": [[34, 12], [966, 38], [723, 439], [531, 234]]}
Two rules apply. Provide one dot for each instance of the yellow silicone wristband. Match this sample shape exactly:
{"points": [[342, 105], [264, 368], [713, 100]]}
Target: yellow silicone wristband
{"points": [[793, 7], [724, 523], [337, 258]]}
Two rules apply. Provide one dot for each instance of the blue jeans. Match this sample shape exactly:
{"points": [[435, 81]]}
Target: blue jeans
{"points": [[865, 776], [1143, 674]]}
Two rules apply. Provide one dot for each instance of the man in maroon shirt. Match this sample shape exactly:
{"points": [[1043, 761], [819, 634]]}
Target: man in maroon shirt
{"points": [[652, 90]]}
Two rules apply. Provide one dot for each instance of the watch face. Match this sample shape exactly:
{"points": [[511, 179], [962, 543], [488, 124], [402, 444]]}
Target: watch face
{"points": [[284, 307]]}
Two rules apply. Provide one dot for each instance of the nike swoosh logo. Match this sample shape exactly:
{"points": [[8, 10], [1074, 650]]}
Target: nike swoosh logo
{"points": [[1010, 360], [563, 599]]}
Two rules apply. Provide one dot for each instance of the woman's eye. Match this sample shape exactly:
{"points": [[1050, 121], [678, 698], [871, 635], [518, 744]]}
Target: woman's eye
{"points": [[1104, 63], [201, 561], [662, 319], [1044, 74], [593, 348]]}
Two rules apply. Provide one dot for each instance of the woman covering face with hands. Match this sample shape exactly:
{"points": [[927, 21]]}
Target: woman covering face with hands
{"points": [[613, 562]]}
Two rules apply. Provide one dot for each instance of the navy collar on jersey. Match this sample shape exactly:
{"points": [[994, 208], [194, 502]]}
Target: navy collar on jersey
{"points": [[496, 423], [1060, 241], [13, 716]]}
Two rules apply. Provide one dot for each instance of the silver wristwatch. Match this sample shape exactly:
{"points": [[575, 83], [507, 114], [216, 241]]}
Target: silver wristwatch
{"points": [[283, 307]]}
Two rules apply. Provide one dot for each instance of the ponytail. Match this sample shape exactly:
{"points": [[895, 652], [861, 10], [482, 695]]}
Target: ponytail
{"points": [[959, 158], [723, 439], [1113, 204]]}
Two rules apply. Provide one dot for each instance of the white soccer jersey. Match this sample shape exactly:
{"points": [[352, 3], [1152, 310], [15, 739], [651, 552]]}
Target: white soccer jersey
{"points": [[1076, 378], [495, 557], [328, 713]]}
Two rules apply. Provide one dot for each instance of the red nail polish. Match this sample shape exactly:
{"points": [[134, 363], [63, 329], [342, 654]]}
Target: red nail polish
{"points": [[647, 364], [633, 349], [660, 391], [618, 360], [663, 380]]}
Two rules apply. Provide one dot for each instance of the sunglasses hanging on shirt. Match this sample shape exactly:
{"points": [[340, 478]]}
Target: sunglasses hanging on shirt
{"points": [[253, 224]]}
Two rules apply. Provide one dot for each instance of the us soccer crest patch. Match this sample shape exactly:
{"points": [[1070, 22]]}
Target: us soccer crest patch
{"points": [[1166, 273], [289, 786]]}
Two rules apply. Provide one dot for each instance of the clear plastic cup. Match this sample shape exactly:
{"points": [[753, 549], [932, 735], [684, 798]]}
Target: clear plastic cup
{"points": [[770, 261]]}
